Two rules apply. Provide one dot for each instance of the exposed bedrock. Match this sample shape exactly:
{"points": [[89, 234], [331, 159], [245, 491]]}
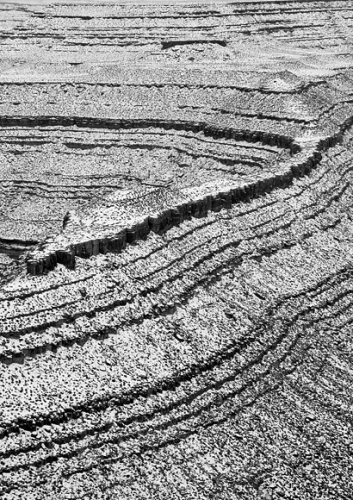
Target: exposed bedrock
{"points": [[191, 170], [176, 209], [15, 248], [148, 279], [167, 44], [89, 163], [209, 130], [199, 200]]}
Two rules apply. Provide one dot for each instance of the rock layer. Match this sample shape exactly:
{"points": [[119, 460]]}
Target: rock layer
{"points": [[176, 297]]}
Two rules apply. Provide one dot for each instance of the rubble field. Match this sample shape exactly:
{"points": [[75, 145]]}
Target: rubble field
{"points": [[176, 250]]}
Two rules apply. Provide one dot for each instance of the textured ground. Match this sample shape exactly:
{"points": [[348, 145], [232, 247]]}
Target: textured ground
{"points": [[211, 356]]}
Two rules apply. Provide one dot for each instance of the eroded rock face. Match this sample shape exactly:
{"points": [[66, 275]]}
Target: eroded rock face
{"points": [[176, 241], [125, 217]]}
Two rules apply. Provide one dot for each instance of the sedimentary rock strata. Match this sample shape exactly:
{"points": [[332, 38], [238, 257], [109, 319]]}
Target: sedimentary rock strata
{"points": [[176, 250]]}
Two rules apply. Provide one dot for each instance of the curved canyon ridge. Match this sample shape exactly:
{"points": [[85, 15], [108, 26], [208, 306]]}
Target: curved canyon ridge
{"points": [[176, 250]]}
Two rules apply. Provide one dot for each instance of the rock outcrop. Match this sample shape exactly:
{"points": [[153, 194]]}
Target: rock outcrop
{"points": [[176, 233]]}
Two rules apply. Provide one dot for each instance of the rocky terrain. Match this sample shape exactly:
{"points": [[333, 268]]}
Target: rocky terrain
{"points": [[176, 250]]}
